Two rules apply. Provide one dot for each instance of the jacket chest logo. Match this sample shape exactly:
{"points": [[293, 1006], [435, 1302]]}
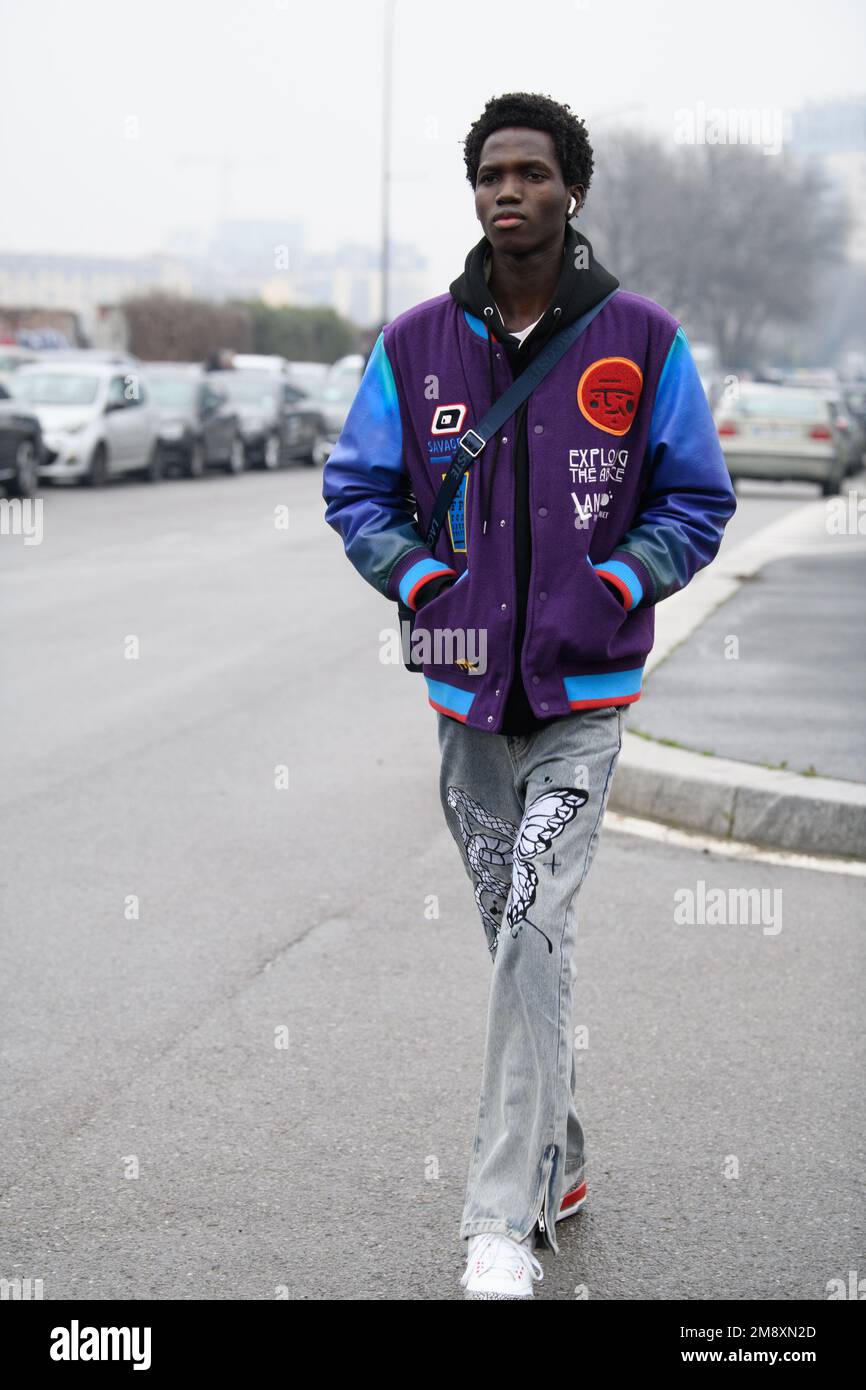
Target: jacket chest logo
{"points": [[608, 393], [448, 419]]}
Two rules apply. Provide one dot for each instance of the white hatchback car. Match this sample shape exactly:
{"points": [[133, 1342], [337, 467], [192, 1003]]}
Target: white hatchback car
{"points": [[782, 433], [97, 419]]}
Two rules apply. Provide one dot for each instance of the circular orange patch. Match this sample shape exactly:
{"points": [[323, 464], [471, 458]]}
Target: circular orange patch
{"points": [[608, 393]]}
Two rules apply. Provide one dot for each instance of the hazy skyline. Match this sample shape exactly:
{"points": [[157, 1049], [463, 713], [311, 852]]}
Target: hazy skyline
{"points": [[116, 117]]}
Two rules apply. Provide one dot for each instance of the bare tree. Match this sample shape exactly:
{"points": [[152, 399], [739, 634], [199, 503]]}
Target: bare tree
{"points": [[729, 239], [629, 210], [767, 228]]}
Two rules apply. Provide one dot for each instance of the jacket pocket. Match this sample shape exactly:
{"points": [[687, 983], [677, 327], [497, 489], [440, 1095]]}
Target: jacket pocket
{"points": [[596, 631], [446, 644]]}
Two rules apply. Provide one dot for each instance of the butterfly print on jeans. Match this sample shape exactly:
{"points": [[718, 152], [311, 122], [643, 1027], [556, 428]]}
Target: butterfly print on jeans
{"points": [[542, 823], [505, 844]]}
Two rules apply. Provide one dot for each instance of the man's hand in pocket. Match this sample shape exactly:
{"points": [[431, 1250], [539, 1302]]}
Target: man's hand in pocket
{"points": [[617, 593], [435, 586]]}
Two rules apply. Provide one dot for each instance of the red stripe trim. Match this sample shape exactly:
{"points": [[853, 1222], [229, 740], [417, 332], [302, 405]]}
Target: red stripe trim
{"points": [[600, 704], [461, 718], [619, 583], [425, 579]]}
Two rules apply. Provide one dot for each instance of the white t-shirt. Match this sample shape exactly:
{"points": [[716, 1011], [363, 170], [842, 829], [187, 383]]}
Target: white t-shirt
{"points": [[521, 333]]}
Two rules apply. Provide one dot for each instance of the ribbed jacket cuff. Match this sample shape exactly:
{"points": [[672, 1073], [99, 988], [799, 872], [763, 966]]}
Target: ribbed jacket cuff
{"points": [[629, 576], [412, 572]]}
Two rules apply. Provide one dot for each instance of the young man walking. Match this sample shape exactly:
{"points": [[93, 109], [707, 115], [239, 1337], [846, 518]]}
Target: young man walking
{"points": [[605, 492]]}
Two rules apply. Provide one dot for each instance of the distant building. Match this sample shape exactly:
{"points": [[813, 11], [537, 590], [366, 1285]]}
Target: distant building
{"points": [[270, 260], [77, 285], [243, 259]]}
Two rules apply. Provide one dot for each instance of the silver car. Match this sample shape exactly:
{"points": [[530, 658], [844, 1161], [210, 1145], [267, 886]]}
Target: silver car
{"points": [[782, 433], [97, 419]]}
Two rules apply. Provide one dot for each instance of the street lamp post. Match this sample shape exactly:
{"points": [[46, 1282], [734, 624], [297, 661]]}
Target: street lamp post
{"points": [[386, 156]]}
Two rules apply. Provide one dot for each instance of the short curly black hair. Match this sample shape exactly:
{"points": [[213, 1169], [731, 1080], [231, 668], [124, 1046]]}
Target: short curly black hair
{"points": [[567, 131]]}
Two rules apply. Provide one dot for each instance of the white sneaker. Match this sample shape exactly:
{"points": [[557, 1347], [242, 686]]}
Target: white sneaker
{"points": [[499, 1267]]}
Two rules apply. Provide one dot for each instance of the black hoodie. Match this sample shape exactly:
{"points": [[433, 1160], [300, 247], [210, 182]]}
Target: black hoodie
{"points": [[579, 288]]}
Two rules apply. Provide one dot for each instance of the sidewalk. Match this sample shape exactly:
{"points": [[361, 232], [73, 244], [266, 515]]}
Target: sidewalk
{"points": [[751, 726]]}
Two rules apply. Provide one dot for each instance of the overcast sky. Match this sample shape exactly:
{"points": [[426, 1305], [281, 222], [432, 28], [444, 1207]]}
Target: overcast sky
{"points": [[114, 115]]}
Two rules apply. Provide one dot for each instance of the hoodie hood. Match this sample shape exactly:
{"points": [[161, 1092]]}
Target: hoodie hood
{"points": [[577, 290]]}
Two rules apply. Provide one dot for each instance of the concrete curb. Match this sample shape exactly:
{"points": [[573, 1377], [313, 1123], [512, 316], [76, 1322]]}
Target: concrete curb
{"points": [[739, 801]]}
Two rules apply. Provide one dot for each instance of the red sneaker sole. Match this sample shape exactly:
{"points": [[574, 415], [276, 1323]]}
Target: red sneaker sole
{"points": [[572, 1202]]}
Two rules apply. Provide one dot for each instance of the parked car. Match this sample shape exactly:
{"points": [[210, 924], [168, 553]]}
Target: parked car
{"points": [[847, 422], [20, 447], [310, 376], [12, 357], [97, 419], [333, 402], [849, 428], [198, 427], [783, 433], [811, 378], [278, 420], [114, 356], [258, 362], [854, 398]]}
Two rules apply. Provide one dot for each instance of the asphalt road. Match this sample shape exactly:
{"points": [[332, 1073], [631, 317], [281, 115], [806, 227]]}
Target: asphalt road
{"points": [[334, 1167]]}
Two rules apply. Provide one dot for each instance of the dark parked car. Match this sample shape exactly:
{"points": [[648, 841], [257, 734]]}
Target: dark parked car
{"points": [[279, 421], [854, 401], [20, 447], [198, 428]]}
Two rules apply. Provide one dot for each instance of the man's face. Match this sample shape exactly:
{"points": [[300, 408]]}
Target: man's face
{"points": [[519, 174]]}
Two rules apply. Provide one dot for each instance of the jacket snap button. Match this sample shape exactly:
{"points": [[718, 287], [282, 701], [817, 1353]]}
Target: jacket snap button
{"points": [[503, 606], [542, 595], [505, 439], [542, 511], [539, 429], [536, 680], [497, 692], [545, 705], [490, 719], [502, 522]]}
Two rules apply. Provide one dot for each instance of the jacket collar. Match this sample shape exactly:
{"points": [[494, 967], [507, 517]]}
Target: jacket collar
{"points": [[577, 290]]}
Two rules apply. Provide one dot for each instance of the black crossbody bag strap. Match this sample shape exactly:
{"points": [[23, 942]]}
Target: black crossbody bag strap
{"points": [[469, 446]]}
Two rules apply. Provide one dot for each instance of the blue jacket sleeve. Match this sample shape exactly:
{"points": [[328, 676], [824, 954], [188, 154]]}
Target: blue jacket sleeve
{"points": [[689, 498], [368, 491]]}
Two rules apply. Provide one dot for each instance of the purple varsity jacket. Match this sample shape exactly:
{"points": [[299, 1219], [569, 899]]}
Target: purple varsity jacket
{"points": [[627, 484]]}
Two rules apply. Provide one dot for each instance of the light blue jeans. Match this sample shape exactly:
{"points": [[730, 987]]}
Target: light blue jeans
{"points": [[526, 815]]}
